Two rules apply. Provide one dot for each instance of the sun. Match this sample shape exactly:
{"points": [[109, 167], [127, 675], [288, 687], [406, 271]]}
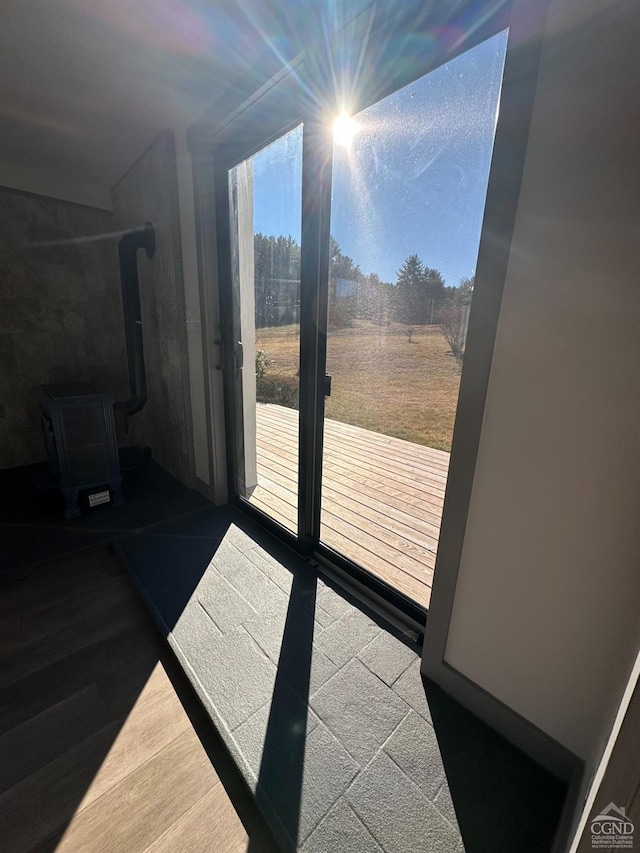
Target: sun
{"points": [[344, 129]]}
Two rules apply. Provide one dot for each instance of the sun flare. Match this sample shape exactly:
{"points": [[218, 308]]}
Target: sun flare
{"points": [[344, 129]]}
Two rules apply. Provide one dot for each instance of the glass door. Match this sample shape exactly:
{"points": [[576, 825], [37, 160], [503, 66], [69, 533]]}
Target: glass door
{"points": [[352, 270], [410, 177], [265, 204]]}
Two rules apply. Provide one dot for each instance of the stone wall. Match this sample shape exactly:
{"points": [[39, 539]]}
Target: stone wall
{"points": [[60, 311], [149, 192]]}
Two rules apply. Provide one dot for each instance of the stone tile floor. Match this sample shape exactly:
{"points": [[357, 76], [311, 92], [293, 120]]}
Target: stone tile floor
{"points": [[323, 707]]}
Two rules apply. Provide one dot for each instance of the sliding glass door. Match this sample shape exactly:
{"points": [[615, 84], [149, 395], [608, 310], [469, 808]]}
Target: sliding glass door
{"points": [[410, 177], [350, 258]]}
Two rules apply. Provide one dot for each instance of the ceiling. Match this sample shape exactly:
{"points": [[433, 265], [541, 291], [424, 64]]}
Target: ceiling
{"points": [[88, 84]]}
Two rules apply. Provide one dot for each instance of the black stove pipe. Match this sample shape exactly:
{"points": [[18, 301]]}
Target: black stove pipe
{"points": [[128, 246]]}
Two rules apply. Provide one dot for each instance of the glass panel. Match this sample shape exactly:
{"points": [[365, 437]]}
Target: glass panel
{"points": [[265, 194], [409, 186]]}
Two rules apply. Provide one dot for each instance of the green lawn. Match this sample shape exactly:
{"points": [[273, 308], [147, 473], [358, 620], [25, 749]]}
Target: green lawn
{"points": [[381, 380]]}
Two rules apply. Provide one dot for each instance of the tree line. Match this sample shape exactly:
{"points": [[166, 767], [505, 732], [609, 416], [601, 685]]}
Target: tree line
{"points": [[419, 296]]}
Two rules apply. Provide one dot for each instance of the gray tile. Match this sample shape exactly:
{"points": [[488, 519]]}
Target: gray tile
{"points": [[267, 629], [225, 558], [387, 657], [397, 813], [250, 736], [195, 630], [238, 538], [322, 669], [279, 574], [268, 632], [258, 589], [323, 618], [342, 640], [359, 709], [410, 688], [331, 601], [283, 576], [444, 804], [235, 673], [222, 602], [341, 831], [328, 772], [414, 748]]}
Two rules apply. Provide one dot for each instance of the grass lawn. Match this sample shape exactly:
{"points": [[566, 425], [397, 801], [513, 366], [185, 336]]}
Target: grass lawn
{"points": [[381, 380]]}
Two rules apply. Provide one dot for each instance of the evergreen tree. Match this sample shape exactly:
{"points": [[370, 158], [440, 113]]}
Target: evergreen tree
{"points": [[420, 292], [434, 296], [410, 290]]}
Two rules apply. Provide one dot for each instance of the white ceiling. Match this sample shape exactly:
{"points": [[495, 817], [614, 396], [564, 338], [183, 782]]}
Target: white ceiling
{"points": [[86, 85]]}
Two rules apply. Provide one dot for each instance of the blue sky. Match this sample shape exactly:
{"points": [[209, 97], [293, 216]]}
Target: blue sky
{"points": [[415, 177]]}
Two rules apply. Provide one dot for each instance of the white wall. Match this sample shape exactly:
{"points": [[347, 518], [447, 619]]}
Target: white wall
{"points": [[547, 609]]}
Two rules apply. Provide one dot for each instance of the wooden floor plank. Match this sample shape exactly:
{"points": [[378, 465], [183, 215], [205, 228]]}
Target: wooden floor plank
{"points": [[415, 589], [39, 805], [44, 651], [418, 512], [55, 582], [102, 746], [345, 436], [11, 637], [141, 671], [136, 811], [381, 468], [210, 825], [406, 557], [156, 719], [53, 616], [382, 496], [48, 735], [338, 493], [23, 699]]}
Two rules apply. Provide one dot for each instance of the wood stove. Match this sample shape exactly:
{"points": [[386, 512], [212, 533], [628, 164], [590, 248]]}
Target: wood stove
{"points": [[80, 437]]}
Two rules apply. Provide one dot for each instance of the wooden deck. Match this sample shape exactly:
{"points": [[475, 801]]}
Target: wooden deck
{"points": [[103, 745], [382, 497]]}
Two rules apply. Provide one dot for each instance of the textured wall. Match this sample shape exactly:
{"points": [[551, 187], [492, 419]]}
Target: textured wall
{"points": [[60, 311], [149, 192]]}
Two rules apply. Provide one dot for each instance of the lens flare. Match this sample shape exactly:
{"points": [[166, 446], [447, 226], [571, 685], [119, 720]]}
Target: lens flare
{"points": [[344, 130]]}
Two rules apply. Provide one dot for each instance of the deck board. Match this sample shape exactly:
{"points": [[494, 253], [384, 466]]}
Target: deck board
{"points": [[382, 496]]}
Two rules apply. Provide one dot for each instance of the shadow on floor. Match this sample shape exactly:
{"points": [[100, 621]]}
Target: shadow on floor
{"points": [[503, 801], [33, 529], [281, 775]]}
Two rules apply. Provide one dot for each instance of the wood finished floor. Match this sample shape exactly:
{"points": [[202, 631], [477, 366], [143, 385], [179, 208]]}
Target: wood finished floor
{"points": [[103, 746], [382, 497]]}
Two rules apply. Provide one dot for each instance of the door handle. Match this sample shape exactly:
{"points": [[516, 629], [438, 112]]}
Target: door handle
{"points": [[327, 385]]}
